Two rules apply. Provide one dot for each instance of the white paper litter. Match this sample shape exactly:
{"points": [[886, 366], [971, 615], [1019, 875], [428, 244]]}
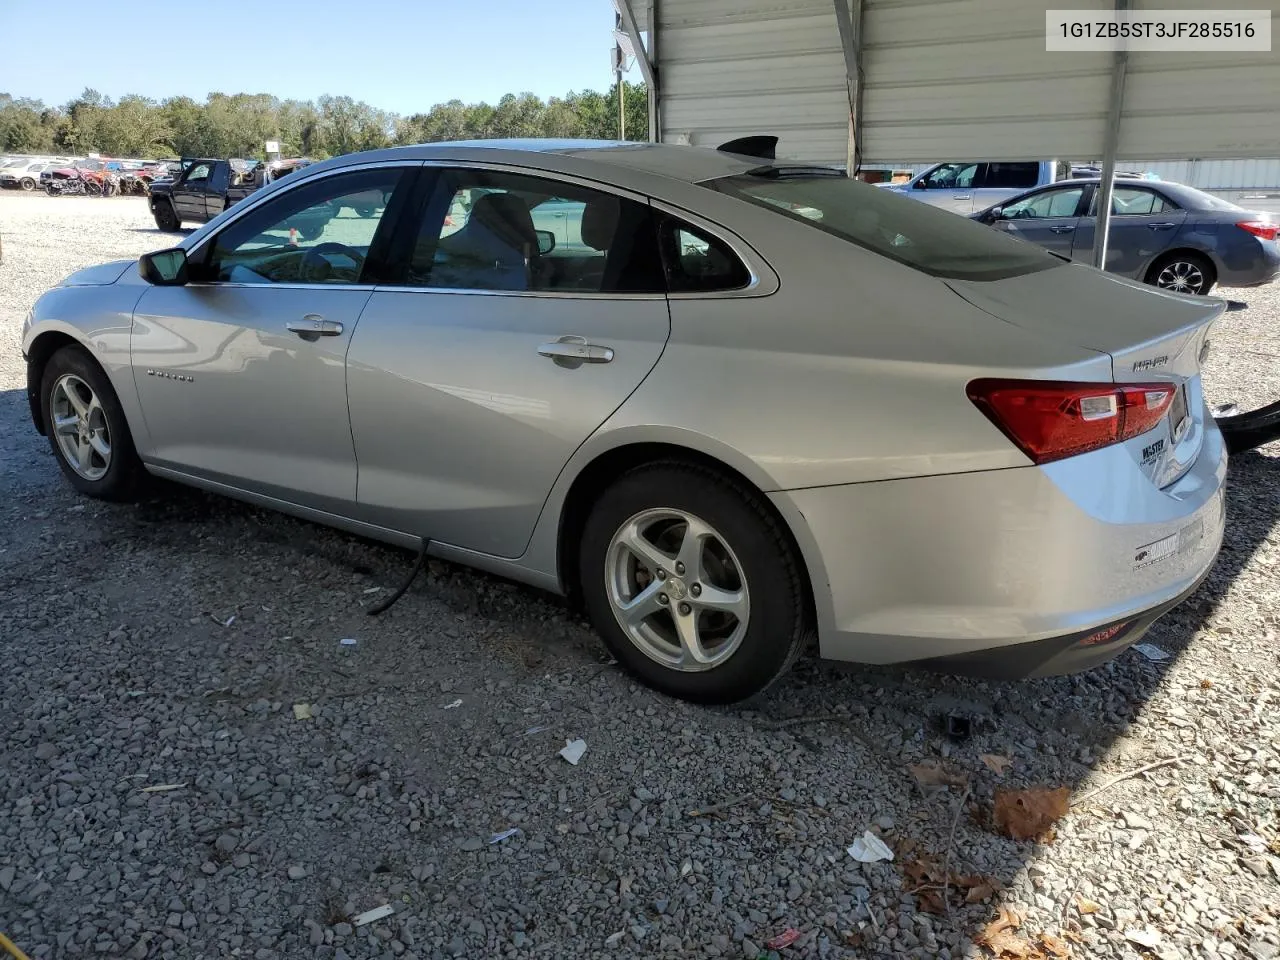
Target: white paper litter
{"points": [[302, 711], [451, 706], [369, 916], [573, 750], [1148, 938], [348, 641], [373, 590], [504, 835], [163, 787], [1150, 651], [869, 848]]}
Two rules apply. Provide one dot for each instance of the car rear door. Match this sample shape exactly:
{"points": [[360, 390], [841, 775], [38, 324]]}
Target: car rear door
{"points": [[1144, 224], [241, 373], [1049, 218], [473, 379]]}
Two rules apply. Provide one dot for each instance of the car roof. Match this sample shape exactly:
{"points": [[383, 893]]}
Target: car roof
{"points": [[672, 161]]}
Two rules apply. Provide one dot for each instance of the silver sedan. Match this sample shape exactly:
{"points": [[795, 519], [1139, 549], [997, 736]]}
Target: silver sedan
{"points": [[729, 403]]}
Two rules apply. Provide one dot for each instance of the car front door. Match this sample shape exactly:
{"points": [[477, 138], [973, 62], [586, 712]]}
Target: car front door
{"points": [[472, 382], [949, 185], [1143, 225], [1049, 218], [188, 193], [241, 373]]}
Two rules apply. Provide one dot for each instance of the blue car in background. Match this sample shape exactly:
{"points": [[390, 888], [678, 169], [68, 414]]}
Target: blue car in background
{"points": [[1165, 234]]}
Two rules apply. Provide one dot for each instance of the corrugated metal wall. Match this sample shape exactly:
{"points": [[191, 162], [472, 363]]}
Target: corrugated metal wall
{"points": [[953, 79], [730, 68]]}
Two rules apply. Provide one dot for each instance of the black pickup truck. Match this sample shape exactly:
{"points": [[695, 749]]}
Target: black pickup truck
{"points": [[207, 187]]}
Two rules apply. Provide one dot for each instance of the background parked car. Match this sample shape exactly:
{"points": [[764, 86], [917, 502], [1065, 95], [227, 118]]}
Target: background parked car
{"points": [[23, 174], [1163, 233], [964, 186]]}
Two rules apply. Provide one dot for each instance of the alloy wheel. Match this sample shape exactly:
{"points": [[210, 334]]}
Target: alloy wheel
{"points": [[677, 589], [80, 427], [1181, 276]]}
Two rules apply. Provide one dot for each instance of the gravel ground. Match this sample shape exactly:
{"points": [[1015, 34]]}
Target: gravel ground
{"points": [[168, 643]]}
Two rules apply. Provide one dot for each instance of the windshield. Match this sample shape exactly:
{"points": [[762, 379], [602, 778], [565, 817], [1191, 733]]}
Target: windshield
{"points": [[936, 242]]}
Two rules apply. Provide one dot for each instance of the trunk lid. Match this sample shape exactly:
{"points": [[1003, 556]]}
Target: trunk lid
{"points": [[1151, 336]]}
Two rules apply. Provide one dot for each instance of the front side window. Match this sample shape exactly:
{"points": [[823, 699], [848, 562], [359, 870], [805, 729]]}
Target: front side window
{"points": [[951, 176], [1051, 203], [490, 230], [320, 232], [916, 234], [1017, 176], [199, 174]]}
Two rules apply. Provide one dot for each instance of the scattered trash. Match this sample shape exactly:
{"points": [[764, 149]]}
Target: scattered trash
{"points": [[1150, 651], [503, 835], [369, 916], [958, 728], [996, 763], [1144, 938], [686, 868], [451, 706], [223, 623], [934, 775], [374, 590], [785, 939], [348, 641], [573, 750], [1030, 814], [11, 948], [302, 711], [532, 730], [163, 787], [869, 848]]}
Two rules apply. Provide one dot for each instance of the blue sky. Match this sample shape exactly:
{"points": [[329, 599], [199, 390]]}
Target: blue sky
{"points": [[399, 55]]}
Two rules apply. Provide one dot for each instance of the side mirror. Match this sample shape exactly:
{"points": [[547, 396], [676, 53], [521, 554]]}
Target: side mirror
{"points": [[164, 268], [546, 241], [996, 213]]}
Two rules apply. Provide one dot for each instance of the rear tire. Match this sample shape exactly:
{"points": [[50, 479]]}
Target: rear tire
{"points": [[721, 625], [1183, 272], [82, 412], [27, 184], [166, 219]]}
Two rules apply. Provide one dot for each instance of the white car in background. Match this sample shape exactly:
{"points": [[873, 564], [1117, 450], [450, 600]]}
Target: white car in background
{"points": [[24, 174]]}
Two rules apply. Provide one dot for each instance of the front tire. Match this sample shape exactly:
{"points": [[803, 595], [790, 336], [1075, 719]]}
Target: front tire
{"points": [[692, 583], [27, 184], [166, 219], [87, 429], [1183, 272]]}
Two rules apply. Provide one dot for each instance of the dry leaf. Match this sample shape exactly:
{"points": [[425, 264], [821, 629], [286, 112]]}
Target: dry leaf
{"points": [[996, 763], [998, 936], [933, 775], [1055, 947], [981, 891], [930, 901], [1086, 906], [1206, 683], [1030, 814]]}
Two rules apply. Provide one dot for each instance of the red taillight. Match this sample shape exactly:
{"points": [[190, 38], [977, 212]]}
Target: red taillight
{"points": [[1264, 229], [1050, 419]]}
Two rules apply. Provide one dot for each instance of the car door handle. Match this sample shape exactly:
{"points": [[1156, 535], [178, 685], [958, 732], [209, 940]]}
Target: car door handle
{"points": [[312, 326], [1062, 228], [576, 348], [965, 197], [1160, 226]]}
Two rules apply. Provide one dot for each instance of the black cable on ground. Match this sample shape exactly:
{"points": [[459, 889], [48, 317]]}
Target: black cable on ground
{"points": [[418, 566]]}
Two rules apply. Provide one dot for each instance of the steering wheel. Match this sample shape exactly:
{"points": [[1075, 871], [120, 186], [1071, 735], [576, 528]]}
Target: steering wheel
{"points": [[317, 269]]}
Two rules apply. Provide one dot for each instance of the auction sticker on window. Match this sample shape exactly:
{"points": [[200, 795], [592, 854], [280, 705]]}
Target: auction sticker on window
{"points": [[1172, 30]]}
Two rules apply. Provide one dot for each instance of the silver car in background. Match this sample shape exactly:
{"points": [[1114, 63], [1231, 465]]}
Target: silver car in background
{"points": [[734, 404]]}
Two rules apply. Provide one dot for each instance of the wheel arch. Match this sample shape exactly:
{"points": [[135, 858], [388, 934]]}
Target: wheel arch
{"points": [[1182, 250], [38, 353], [608, 465]]}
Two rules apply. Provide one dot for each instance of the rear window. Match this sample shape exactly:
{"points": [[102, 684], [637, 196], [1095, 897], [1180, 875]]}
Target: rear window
{"points": [[936, 242]]}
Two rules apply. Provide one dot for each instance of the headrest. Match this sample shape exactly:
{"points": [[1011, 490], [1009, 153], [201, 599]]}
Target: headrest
{"points": [[600, 222]]}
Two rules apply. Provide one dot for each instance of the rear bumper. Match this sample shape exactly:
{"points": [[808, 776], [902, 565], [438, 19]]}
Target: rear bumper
{"points": [[1016, 565], [1251, 267]]}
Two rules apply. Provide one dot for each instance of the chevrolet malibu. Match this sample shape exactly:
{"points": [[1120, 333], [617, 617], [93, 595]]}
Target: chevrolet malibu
{"points": [[750, 403]]}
